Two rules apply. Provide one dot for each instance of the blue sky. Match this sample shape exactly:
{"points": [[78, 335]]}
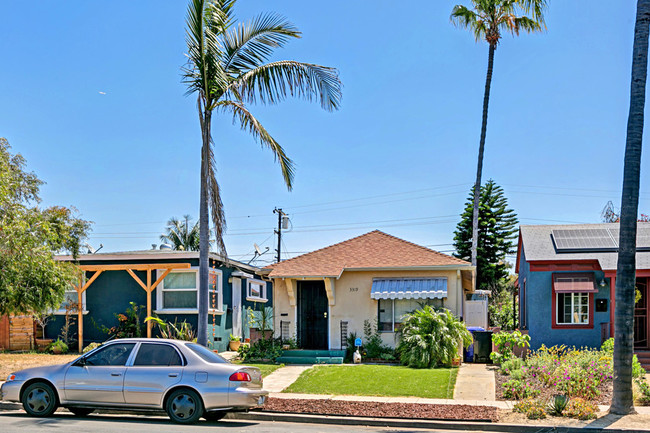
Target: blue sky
{"points": [[399, 156]]}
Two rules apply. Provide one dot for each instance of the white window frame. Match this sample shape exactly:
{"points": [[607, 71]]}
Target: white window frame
{"points": [[249, 296], [393, 312], [195, 269], [561, 307], [61, 311]]}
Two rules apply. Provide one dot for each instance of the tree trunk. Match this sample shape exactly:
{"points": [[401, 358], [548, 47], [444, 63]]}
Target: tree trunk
{"points": [[204, 232], [481, 148], [622, 399]]}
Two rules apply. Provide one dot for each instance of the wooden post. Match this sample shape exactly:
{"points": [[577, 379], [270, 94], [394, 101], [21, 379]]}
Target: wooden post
{"points": [[80, 317], [148, 290]]}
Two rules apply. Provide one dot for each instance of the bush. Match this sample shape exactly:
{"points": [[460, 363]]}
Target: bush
{"points": [[262, 350], [581, 409], [518, 374], [128, 323], [505, 343], [174, 331], [533, 409], [430, 338], [373, 345], [90, 347], [519, 389], [637, 370], [644, 392], [513, 364], [58, 346]]}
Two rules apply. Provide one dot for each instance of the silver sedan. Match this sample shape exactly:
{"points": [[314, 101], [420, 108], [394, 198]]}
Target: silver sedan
{"points": [[185, 379]]}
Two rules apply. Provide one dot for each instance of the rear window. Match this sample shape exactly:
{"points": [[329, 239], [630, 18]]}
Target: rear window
{"points": [[206, 354]]}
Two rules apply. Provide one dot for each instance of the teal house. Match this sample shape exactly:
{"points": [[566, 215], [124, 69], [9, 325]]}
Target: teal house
{"points": [[162, 283]]}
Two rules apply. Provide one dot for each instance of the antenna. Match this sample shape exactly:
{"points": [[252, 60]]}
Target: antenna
{"points": [[258, 252], [257, 249]]}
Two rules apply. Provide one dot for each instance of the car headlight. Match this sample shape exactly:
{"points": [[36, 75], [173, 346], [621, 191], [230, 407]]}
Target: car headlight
{"points": [[11, 377]]}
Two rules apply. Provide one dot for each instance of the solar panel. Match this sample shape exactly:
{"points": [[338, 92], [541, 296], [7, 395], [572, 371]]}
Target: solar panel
{"points": [[584, 239]]}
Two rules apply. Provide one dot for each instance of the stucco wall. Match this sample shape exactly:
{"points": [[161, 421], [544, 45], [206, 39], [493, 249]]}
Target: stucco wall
{"points": [[353, 302]]}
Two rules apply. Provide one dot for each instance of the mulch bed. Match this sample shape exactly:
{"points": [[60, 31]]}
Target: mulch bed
{"points": [[456, 412], [605, 388]]}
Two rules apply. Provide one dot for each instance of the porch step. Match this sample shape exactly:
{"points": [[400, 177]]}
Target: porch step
{"points": [[644, 359], [312, 357]]}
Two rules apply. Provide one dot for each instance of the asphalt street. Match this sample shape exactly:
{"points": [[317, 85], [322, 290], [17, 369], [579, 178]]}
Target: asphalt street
{"points": [[18, 421]]}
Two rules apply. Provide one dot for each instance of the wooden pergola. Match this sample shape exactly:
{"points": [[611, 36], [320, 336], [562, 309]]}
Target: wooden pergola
{"points": [[148, 286]]}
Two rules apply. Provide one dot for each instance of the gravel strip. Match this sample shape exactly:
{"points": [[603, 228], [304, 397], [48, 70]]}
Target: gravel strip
{"points": [[457, 412]]}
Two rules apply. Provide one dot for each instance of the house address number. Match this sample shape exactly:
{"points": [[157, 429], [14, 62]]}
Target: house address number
{"points": [[354, 289]]}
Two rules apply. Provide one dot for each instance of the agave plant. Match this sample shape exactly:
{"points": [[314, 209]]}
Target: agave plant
{"points": [[430, 338], [175, 331]]}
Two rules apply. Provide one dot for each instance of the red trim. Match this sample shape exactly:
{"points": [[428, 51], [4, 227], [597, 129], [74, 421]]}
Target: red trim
{"points": [[640, 273], [519, 246], [574, 265], [612, 302], [554, 325]]}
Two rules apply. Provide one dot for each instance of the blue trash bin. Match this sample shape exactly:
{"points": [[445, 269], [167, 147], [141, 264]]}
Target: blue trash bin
{"points": [[469, 350]]}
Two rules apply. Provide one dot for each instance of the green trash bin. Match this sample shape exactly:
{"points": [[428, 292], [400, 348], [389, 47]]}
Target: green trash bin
{"points": [[482, 346]]}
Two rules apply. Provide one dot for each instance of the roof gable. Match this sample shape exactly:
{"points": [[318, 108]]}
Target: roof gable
{"points": [[369, 251]]}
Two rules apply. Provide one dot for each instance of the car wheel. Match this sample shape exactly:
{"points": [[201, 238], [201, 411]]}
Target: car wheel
{"points": [[81, 411], [184, 406], [215, 415], [39, 400]]}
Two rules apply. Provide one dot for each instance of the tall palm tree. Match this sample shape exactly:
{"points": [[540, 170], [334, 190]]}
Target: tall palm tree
{"points": [[227, 68], [622, 399], [181, 234], [487, 20]]}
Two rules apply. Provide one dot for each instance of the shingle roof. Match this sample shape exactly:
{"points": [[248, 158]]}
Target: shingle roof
{"points": [[538, 245], [369, 251]]}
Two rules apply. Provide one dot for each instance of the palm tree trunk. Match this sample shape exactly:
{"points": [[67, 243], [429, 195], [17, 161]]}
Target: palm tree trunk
{"points": [[622, 399], [204, 231], [481, 148]]}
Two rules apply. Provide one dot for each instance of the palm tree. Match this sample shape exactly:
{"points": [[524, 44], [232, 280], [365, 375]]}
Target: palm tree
{"points": [[227, 69], [181, 234], [622, 399], [487, 20]]}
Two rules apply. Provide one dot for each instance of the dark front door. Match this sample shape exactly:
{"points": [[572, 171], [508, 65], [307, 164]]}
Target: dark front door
{"points": [[641, 315], [312, 315]]}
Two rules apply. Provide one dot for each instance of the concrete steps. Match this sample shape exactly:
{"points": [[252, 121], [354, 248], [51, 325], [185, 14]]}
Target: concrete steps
{"points": [[312, 357]]}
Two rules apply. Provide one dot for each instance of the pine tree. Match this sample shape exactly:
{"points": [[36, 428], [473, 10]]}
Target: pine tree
{"points": [[496, 235]]}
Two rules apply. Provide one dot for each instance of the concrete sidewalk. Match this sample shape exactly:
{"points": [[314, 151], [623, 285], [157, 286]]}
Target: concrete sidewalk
{"points": [[283, 377], [475, 382]]}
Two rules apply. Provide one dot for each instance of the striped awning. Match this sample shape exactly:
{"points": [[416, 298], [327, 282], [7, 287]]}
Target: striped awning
{"points": [[574, 283], [409, 288]]}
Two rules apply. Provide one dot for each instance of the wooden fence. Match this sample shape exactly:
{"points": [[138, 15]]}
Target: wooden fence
{"points": [[16, 333]]}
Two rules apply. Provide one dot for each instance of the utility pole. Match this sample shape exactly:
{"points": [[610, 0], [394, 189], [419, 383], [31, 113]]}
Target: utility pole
{"points": [[279, 232]]}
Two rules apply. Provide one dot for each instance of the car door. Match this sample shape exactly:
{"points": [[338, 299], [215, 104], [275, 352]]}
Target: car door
{"points": [[156, 367], [99, 377]]}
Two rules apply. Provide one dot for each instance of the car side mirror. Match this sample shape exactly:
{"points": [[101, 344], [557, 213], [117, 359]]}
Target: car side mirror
{"points": [[81, 362]]}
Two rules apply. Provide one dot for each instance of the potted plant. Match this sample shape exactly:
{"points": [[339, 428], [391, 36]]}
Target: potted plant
{"points": [[41, 320], [58, 347], [235, 342]]}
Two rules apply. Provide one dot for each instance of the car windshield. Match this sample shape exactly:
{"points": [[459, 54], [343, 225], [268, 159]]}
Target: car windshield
{"points": [[206, 354]]}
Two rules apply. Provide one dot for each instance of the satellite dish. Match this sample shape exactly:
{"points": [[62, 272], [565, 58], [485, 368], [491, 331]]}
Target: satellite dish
{"points": [[257, 249]]}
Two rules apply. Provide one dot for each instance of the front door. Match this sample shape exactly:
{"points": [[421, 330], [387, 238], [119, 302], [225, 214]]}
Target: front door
{"points": [[312, 315], [641, 315]]}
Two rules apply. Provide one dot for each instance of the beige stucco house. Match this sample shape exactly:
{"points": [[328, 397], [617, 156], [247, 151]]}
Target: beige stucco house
{"points": [[322, 296]]}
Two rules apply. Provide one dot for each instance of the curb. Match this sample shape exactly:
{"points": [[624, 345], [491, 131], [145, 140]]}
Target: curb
{"points": [[409, 424]]}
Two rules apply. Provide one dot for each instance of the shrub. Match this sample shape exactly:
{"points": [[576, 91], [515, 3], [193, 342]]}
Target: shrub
{"points": [[505, 343], [517, 374], [90, 347], [637, 370], [128, 323], [262, 350], [373, 345], [533, 409], [430, 338], [581, 409], [557, 404], [519, 389], [644, 392], [175, 331], [58, 346], [511, 365]]}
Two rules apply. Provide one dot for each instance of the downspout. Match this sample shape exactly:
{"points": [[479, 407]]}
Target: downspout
{"points": [[460, 301]]}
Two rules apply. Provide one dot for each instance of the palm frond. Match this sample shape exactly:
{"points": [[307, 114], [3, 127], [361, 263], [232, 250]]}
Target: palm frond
{"points": [[537, 8], [249, 45], [527, 24], [214, 199], [250, 124], [273, 82]]}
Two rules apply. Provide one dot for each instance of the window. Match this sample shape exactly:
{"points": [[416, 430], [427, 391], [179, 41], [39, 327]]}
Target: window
{"points": [[572, 308], [72, 297], [178, 292], [256, 291], [573, 299], [112, 355], [157, 354], [392, 311], [206, 354]]}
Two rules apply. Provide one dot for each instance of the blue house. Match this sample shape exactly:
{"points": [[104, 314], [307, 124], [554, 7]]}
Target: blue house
{"points": [[170, 278], [567, 279]]}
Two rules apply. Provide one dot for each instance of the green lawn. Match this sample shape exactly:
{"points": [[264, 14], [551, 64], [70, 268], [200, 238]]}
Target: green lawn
{"points": [[266, 368], [381, 380]]}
